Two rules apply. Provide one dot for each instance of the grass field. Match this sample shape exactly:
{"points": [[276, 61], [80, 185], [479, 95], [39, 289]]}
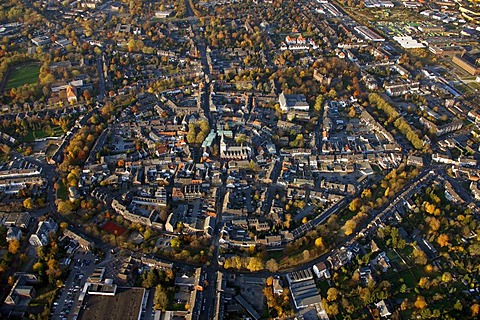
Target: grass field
{"points": [[39, 134], [24, 74]]}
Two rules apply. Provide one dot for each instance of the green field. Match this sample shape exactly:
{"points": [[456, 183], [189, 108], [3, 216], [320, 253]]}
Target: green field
{"points": [[24, 74], [39, 134]]}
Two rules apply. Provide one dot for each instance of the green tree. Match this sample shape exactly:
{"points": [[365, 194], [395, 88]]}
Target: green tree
{"points": [[160, 298]]}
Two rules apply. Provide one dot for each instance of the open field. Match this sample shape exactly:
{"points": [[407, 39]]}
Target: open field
{"points": [[23, 74], [40, 134]]}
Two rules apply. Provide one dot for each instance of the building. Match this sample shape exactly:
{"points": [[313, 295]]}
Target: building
{"points": [[41, 237], [71, 92], [368, 34], [13, 233], [16, 219], [21, 293], [81, 240], [277, 286], [398, 89], [156, 264], [107, 301], [466, 63], [293, 101], [234, 152], [322, 269], [415, 161], [163, 14], [408, 42]]}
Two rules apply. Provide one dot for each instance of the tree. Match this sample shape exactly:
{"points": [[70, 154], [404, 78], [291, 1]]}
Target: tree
{"points": [[319, 243], [349, 227], [354, 205], [13, 246], [367, 193], [272, 265], [420, 256], [433, 223], [255, 264], [458, 305], [28, 203], [332, 294], [475, 309], [442, 240], [306, 254], [420, 302], [160, 298], [38, 267], [151, 280], [446, 277]]}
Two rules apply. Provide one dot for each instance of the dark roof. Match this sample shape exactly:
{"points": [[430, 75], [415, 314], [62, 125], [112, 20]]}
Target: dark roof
{"points": [[125, 305]]}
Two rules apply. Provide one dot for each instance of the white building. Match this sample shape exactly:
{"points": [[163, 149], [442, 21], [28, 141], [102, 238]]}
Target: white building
{"points": [[41, 237]]}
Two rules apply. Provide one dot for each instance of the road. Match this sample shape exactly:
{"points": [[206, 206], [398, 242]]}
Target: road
{"points": [[101, 78]]}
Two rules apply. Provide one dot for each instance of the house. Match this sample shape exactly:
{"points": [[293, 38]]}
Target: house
{"points": [[21, 293], [322, 269], [277, 286], [71, 92], [383, 308], [13, 233], [163, 14], [41, 237], [415, 161], [451, 194]]}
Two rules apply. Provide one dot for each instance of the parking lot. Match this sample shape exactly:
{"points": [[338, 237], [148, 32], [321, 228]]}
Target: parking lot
{"points": [[81, 267]]}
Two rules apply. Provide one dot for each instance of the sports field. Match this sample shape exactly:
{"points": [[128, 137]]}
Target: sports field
{"points": [[23, 74]]}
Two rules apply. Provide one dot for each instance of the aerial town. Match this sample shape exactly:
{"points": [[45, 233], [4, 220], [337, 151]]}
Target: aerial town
{"points": [[239, 159]]}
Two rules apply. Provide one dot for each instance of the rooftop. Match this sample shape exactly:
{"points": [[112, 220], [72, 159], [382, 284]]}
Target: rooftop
{"points": [[125, 305]]}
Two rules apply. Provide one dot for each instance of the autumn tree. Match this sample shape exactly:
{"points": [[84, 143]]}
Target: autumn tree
{"points": [[442, 240], [272, 265], [319, 243], [28, 203], [420, 302], [13, 246], [332, 294]]}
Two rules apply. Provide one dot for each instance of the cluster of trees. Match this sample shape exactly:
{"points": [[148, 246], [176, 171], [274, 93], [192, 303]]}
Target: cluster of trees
{"points": [[14, 11], [20, 128], [160, 298], [79, 147], [279, 306], [162, 281], [394, 117], [198, 131], [389, 186], [155, 277], [351, 224], [318, 106], [239, 263], [47, 267]]}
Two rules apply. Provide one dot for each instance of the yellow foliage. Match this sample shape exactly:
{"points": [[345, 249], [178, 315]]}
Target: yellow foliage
{"points": [[420, 302]]}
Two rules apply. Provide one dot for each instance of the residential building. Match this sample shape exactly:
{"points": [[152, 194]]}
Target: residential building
{"points": [[41, 237]]}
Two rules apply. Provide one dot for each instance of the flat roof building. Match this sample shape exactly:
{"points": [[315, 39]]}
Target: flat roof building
{"points": [[124, 304]]}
